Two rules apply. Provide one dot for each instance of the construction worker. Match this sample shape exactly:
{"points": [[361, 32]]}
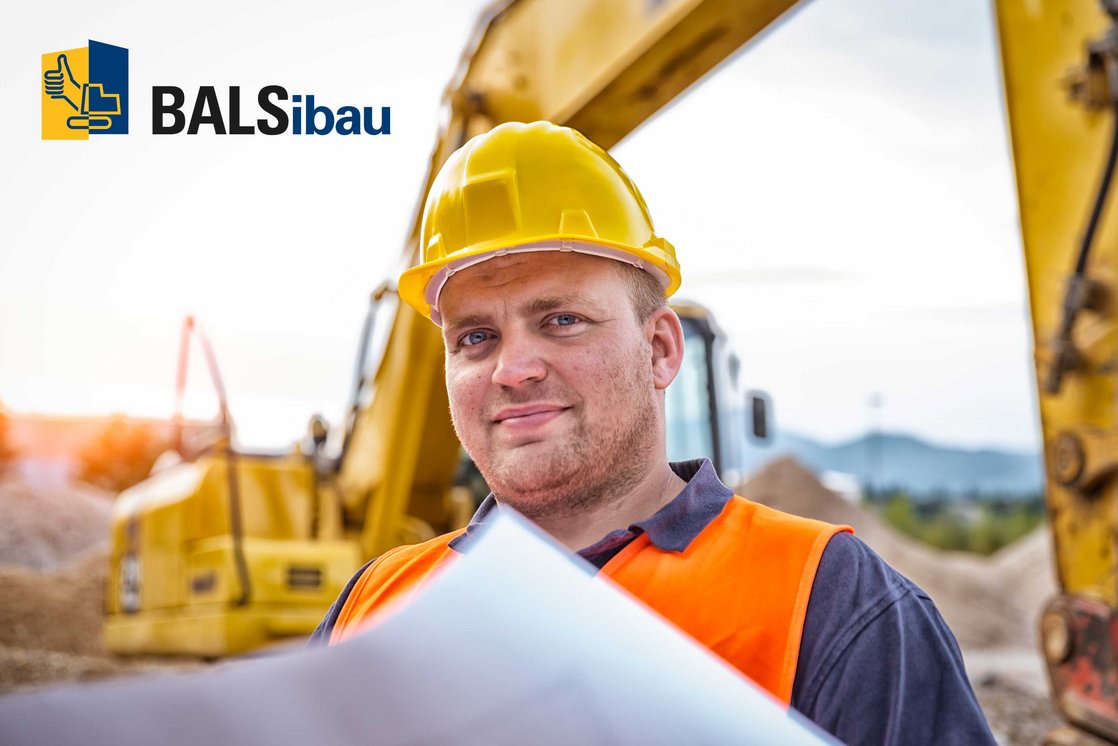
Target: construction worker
{"points": [[541, 266]]}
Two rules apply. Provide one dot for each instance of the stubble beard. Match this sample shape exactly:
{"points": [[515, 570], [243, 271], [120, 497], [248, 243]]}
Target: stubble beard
{"points": [[591, 467]]}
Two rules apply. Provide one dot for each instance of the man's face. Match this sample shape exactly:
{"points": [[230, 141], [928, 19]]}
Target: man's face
{"points": [[550, 378]]}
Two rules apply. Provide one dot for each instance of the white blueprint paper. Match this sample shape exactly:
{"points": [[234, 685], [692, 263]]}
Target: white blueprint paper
{"points": [[515, 643]]}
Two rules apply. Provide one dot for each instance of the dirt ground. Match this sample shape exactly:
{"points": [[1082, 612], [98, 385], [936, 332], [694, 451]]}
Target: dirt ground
{"points": [[1017, 716], [54, 559]]}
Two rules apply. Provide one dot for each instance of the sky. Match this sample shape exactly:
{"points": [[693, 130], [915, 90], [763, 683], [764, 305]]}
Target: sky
{"points": [[840, 194]]}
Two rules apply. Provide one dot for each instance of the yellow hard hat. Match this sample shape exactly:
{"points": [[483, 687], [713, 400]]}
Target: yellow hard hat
{"points": [[531, 187]]}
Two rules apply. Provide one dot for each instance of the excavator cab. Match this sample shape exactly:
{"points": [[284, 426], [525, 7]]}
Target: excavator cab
{"points": [[709, 413]]}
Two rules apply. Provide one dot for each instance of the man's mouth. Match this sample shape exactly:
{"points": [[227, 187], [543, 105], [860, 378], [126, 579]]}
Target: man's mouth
{"points": [[527, 416]]}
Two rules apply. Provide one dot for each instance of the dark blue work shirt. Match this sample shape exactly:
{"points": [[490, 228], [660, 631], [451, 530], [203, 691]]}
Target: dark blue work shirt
{"points": [[877, 663]]}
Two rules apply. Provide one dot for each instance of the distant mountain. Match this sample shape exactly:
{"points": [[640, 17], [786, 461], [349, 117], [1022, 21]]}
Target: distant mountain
{"points": [[893, 460]]}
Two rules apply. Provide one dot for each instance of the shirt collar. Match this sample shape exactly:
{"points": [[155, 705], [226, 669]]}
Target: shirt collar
{"points": [[670, 529]]}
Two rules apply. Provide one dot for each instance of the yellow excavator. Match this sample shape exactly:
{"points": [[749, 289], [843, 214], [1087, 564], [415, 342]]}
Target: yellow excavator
{"points": [[227, 550]]}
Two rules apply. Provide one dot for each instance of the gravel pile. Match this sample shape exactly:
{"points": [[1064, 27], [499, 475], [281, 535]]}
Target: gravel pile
{"points": [[53, 564], [44, 528]]}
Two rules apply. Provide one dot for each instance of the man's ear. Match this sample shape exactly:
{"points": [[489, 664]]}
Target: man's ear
{"points": [[665, 337]]}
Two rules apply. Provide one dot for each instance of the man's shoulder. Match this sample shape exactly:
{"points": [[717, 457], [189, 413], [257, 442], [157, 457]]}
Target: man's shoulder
{"points": [[848, 569], [769, 513], [765, 524], [402, 561], [849, 572], [849, 560], [858, 602], [431, 549], [381, 571], [876, 657]]}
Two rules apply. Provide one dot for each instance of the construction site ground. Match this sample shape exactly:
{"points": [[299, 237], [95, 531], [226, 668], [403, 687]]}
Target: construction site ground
{"points": [[53, 565]]}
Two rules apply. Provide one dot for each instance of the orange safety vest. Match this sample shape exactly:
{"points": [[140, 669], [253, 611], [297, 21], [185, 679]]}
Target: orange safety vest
{"points": [[740, 588]]}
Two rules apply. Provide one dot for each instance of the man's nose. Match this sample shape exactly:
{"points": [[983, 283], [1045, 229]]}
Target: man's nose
{"points": [[518, 361]]}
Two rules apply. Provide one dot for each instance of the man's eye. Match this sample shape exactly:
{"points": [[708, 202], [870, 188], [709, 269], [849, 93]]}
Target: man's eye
{"points": [[473, 338], [564, 319]]}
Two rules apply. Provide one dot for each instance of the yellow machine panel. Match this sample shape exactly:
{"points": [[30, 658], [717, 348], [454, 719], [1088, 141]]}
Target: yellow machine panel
{"points": [[182, 581]]}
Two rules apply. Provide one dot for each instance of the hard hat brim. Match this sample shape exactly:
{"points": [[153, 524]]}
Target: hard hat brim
{"points": [[420, 286]]}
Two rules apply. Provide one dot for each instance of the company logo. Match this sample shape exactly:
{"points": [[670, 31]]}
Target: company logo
{"points": [[85, 91], [306, 117]]}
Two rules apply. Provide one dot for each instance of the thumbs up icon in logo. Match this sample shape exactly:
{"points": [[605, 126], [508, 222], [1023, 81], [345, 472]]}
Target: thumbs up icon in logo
{"points": [[55, 83]]}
